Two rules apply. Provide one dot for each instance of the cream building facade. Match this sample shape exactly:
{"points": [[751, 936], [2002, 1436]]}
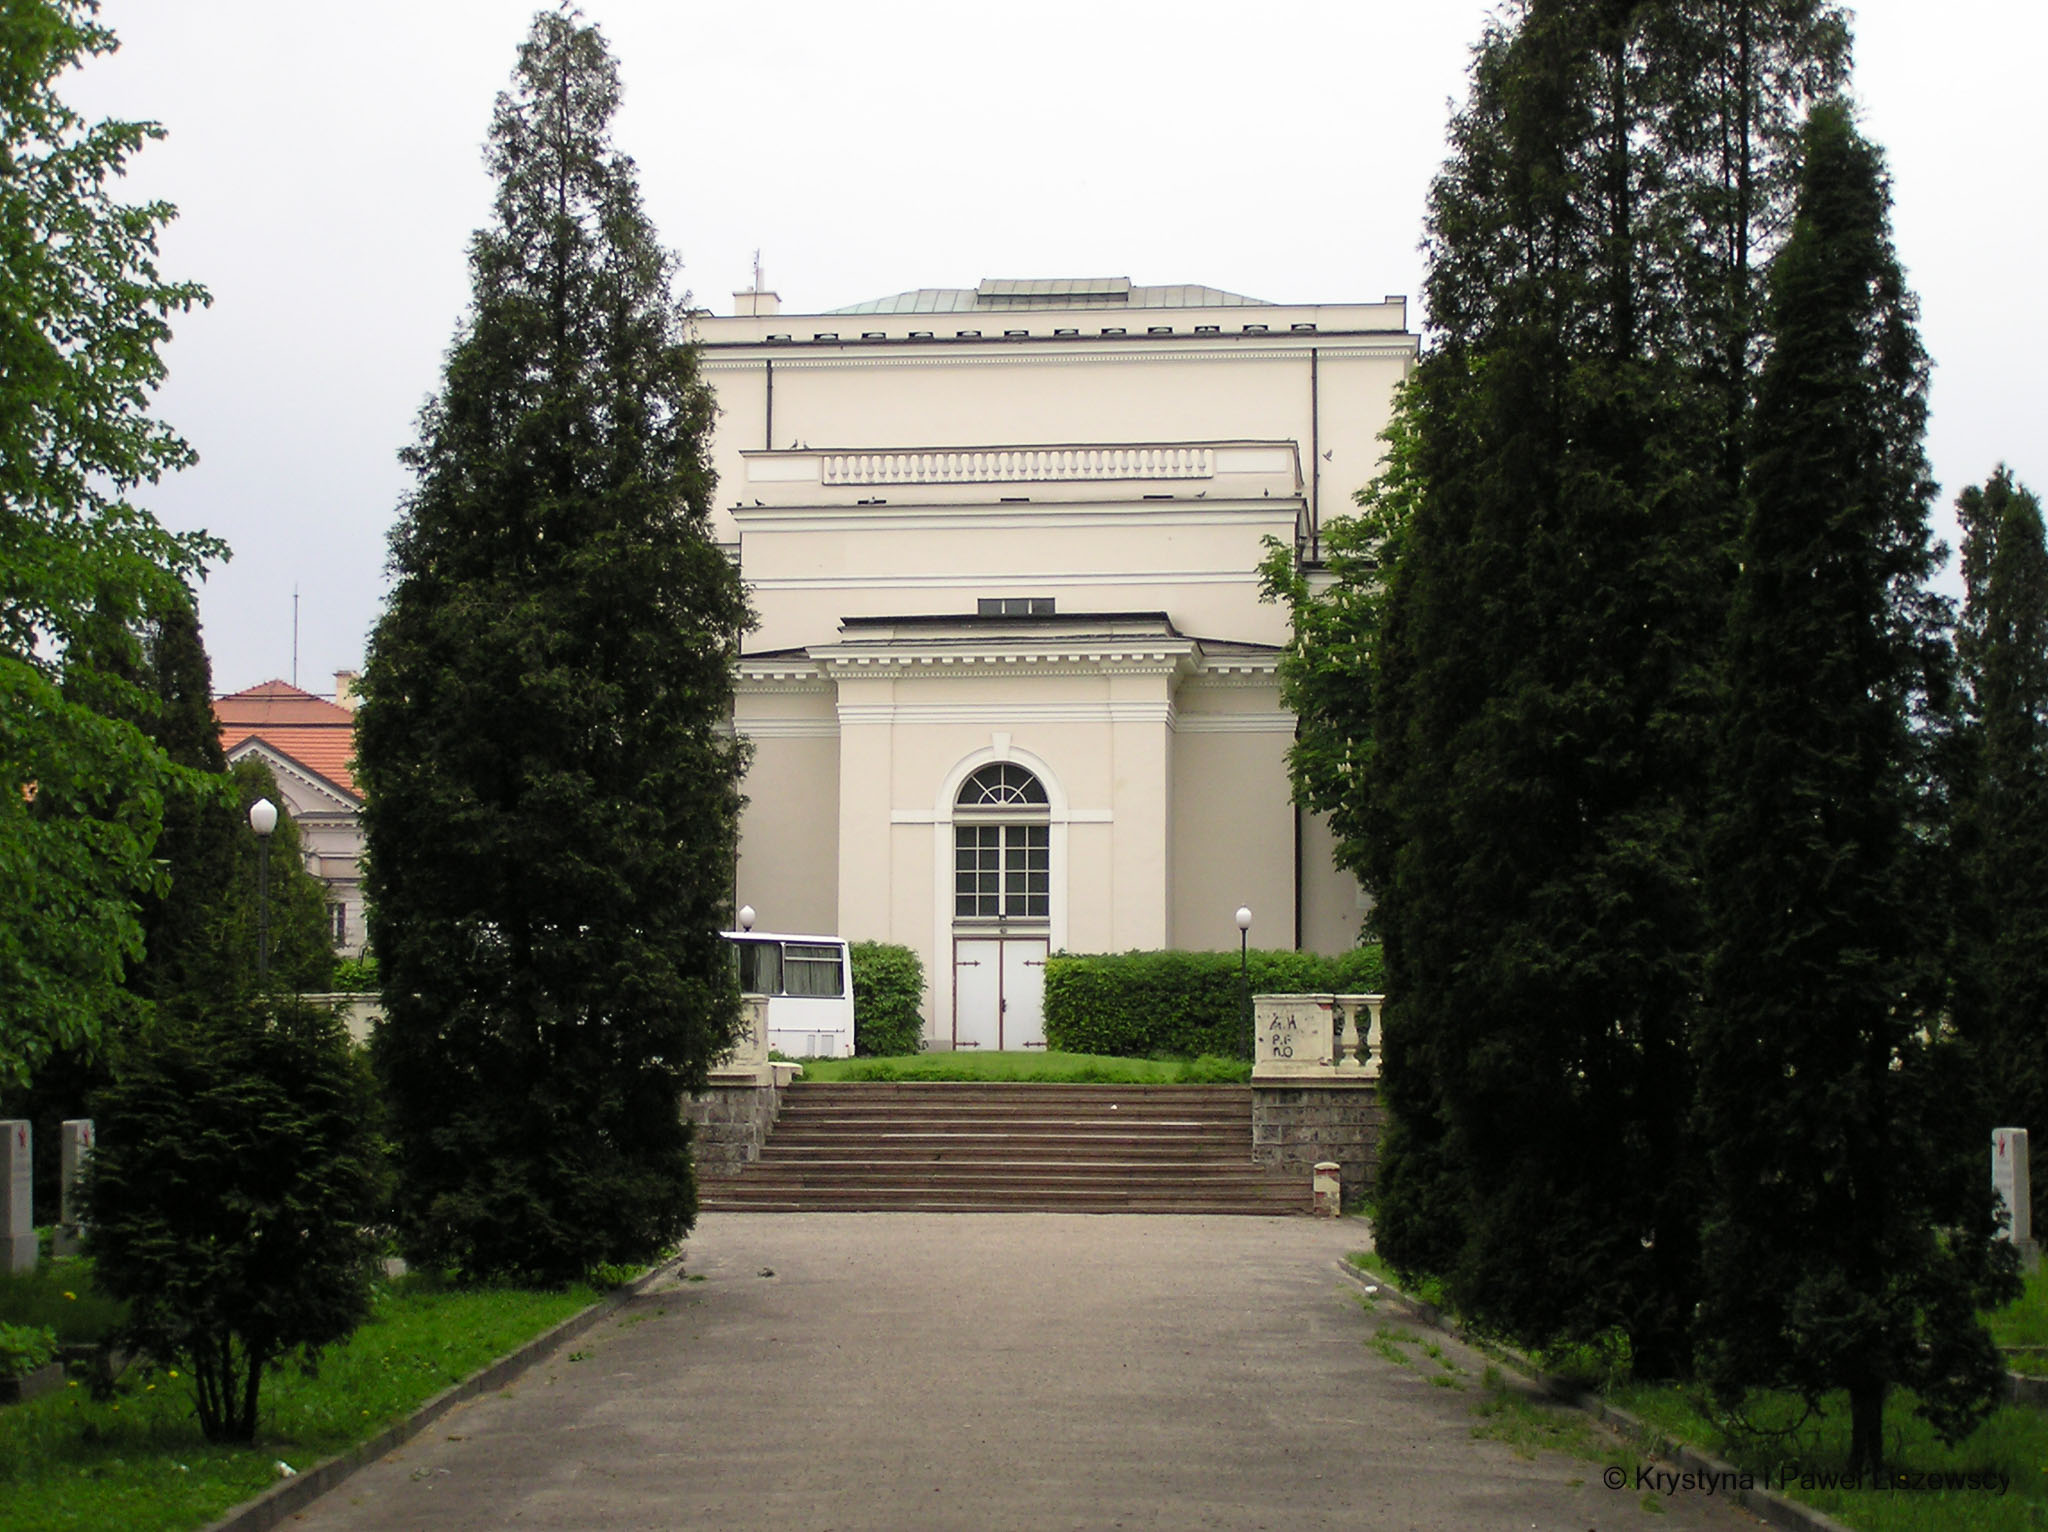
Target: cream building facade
{"points": [[1013, 690]]}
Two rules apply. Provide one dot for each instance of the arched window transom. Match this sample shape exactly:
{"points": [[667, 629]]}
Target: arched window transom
{"points": [[1001, 785]]}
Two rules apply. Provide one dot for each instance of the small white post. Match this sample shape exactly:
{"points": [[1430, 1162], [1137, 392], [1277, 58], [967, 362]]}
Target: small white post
{"points": [[1329, 1189]]}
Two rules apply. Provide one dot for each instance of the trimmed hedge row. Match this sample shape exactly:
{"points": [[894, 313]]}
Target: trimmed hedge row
{"points": [[888, 992], [1183, 1004]]}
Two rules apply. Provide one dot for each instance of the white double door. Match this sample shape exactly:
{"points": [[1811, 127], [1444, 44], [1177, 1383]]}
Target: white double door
{"points": [[999, 992]]}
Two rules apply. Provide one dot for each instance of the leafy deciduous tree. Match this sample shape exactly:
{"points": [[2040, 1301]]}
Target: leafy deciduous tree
{"points": [[83, 311], [552, 782]]}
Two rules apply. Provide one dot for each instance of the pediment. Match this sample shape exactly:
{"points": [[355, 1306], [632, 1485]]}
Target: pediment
{"points": [[305, 790]]}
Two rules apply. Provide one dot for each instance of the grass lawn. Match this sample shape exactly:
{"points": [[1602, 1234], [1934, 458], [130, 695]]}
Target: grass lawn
{"points": [[59, 1294], [2024, 1324], [1784, 1444], [137, 1461], [1038, 1066], [2013, 1442]]}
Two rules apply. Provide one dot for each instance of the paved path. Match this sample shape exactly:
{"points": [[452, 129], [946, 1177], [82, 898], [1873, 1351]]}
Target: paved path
{"points": [[900, 1372]]}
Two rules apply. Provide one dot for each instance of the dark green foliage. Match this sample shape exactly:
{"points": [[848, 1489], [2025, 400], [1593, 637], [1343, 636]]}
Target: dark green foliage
{"points": [[888, 996], [231, 1195], [82, 313], [1543, 654], [2001, 832], [202, 825], [24, 1348], [1848, 1234], [552, 783], [356, 975], [301, 942], [1182, 1004]]}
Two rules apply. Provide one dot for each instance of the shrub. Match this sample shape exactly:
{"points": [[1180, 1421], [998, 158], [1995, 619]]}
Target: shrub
{"points": [[888, 991], [356, 976], [24, 1348], [1182, 1004], [230, 1194]]}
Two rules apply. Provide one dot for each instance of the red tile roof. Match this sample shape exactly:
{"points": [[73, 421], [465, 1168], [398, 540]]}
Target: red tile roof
{"points": [[310, 730]]}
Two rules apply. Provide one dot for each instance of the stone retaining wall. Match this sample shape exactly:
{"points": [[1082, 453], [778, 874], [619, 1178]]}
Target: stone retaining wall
{"points": [[1296, 1126], [731, 1123]]}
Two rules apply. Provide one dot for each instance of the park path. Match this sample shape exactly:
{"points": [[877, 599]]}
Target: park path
{"points": [[841, 1372]]}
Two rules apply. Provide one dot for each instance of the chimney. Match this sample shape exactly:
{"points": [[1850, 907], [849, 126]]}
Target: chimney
{"points": [[755, 304], [345, 689]]}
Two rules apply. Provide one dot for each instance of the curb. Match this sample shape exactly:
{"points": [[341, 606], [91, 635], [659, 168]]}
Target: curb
{"points": [[292, 1495], [1773, 1507]]}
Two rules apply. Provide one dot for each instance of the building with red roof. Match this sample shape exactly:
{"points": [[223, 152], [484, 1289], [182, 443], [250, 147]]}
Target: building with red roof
{"points": [[308, 743]]}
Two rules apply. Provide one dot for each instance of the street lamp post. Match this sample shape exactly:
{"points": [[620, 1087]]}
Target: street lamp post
{"points": [[263, 819], [1244, 979]]}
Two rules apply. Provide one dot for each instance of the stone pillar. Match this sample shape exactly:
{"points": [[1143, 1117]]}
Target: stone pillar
{"points": [[1293, 1036], [2011, 1178], [733, 1116], [75, 1150], [17, 1194]]}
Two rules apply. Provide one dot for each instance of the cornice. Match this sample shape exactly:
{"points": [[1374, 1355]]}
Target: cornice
{"points": [[1028, 515], [795, 355]]}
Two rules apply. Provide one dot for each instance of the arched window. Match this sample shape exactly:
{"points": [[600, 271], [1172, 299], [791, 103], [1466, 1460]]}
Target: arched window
{"points": [[1002, 846]]}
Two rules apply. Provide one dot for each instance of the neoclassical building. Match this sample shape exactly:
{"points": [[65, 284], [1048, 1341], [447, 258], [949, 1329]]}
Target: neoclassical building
{"points": [[1013, 689], [308, 743]]}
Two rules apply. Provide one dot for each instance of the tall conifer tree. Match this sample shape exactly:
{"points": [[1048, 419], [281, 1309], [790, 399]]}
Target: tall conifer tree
{"points": [[553, 787], [1542, 695], [1847, 1242], [2002, 798]]}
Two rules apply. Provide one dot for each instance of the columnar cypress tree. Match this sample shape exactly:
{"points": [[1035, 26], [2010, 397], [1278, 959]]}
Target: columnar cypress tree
{"points": [[1847, 1242], [2002, 798], [1542, 710], [201, 823], [553, 787]]}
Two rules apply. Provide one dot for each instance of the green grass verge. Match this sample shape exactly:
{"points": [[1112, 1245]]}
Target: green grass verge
{"points": [[2013, 1442], [137, 1461], [1036, 1066], [1787, 1445], [59, 1294], [2024, 1321]]}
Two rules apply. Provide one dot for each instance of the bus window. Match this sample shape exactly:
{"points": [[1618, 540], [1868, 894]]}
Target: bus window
{"points": [[811, 970], [760, 967]]}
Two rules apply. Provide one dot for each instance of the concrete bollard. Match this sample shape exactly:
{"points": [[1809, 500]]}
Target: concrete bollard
{"points": [[1329, 1191], [17, 1195]]}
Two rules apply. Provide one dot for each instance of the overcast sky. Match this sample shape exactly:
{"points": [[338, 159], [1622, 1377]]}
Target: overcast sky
{"points": [[326, 162]]}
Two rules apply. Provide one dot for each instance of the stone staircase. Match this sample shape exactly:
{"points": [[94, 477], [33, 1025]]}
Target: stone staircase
{"points": [[964, 1148]]}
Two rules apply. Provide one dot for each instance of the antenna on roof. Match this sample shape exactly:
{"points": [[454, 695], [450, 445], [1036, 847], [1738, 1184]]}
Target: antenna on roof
{"points": [[295, 635], [757, 271]]}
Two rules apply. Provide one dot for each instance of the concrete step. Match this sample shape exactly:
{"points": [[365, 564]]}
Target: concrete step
{"points": [[942, 1146]]}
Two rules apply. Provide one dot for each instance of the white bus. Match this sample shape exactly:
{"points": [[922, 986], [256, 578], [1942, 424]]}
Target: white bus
{"points": [[809, 984]]}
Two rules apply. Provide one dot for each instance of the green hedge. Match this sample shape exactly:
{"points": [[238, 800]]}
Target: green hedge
{"points": [[888, 993], [1182, 1004]]}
